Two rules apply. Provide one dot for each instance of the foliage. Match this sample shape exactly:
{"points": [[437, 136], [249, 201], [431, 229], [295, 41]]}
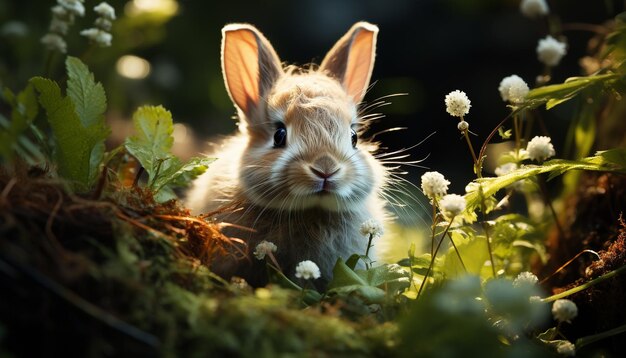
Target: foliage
{"points": [[110, 240]]}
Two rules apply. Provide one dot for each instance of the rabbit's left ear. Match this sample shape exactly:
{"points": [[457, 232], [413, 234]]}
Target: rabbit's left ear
{"points": [[351, 60]]}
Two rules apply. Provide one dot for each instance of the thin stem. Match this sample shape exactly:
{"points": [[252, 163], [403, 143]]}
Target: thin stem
{"points": [[432, 228], [458, 254], [48, 64], [432, 259], [567, 263], [477, 169], [581, 342], [546, 198], [485, 226], [586, 285], [517, 130], [367, 250]]}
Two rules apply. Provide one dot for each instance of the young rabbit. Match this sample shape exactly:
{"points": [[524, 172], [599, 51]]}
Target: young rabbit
{"points": [[297, 170]]}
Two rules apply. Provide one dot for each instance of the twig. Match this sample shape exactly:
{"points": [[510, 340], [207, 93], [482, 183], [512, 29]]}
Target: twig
{"points": [[567, 263]]}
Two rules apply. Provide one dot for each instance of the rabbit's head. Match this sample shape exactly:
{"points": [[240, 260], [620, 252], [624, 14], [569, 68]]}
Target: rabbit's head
{"points": [[303, 148]]}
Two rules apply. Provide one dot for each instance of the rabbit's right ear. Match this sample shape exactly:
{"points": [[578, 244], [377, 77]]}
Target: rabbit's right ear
{"points": [[249, 64]]}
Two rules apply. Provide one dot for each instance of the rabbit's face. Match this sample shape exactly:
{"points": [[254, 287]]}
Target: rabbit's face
{"points": [[307, 153], [303, 150]]}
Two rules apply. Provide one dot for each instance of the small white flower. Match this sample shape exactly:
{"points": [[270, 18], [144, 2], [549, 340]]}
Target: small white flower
{"points": [[567, 349], [54, 42], [564, 310], [539, 148], [534, 8], [434, 185], [525, 279], [59, 11], [105, 10], [513, 89], [550, 51], [307, 270], [462, 126], [75, 7], [103, 24], [102, 38], [505, 168], [264, 248], [371, 227], [59, 26], [457, 103], [452, 205]]}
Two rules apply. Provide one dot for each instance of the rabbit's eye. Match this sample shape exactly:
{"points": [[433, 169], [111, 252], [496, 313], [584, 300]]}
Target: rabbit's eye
{"points": [[280, 137], [354, 138]]}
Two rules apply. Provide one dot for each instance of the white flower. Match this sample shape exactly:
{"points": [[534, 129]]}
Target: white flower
{"points": [[54, 42], [371, 227], [105, 10], [59, 11], [550, 51], [59, 26], [452, 205], [566, 348], [434, 185], [505, 168], [103, 24], [513, 89], [457, 103], [75, 7], [264, 248], [98, 36], [534, 8], [564, 310], [462, 126], [307, 270], [525, 279], [539, 148]]}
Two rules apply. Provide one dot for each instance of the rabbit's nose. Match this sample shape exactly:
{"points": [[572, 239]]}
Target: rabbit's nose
{"points": [[324, 167]]}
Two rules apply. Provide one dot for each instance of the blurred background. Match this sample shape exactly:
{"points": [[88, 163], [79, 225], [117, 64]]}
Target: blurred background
{"points": [[167, 52]]}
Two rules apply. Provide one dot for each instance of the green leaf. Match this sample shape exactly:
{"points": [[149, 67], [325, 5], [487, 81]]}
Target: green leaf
{"points": [[24, 109], [175, 173], [151, 146], [505, 134], [556, 94], [474, 253], [74, 143], [612, 160], [372, 285], [88, 96], [153, 141], [548, 335]]}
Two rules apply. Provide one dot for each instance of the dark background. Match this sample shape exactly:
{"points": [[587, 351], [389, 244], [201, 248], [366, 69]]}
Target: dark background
{"points": [[426, 48]]}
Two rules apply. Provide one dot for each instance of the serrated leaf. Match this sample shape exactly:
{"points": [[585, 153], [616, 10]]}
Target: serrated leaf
{"points": [[153, 139], [556, 94], [87, 94], [612, 160], [175, 173], [24, 109], [372, 285], [74, 143]]}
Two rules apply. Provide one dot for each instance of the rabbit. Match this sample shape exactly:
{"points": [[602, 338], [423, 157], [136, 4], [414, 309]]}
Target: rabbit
{"points": [[297, 169]]}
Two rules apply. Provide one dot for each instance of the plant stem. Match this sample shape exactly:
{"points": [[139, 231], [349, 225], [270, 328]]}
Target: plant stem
{"points": [[458, 254], [432, 228], [546, 198], [483, 209], [432, 259], [581, 342], [477, 169], [48, 64], [367, 251], [585, 285]]}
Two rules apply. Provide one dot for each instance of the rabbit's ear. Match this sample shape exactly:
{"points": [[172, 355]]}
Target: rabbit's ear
{"points": [[351, 60], [249, 64]]}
